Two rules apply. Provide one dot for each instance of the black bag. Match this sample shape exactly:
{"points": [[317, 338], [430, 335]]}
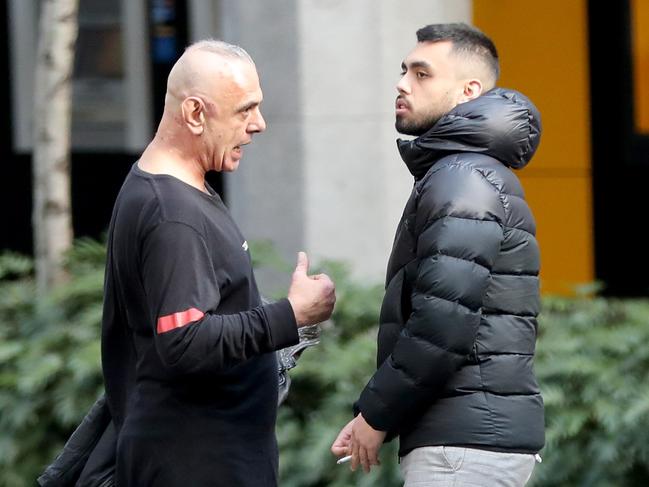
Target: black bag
{"points": [[67, 467]]}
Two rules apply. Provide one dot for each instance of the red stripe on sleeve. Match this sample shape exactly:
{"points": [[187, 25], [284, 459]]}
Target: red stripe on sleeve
{"points": [[178, 320]]}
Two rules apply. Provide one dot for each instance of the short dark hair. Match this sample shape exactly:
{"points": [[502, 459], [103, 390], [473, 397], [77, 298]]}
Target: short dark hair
{"points": [[466, 40]]}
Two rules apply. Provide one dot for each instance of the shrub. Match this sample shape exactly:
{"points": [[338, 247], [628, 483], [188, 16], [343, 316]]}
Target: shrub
{"points": [[592, 364], [49, 360], [326, 382]]}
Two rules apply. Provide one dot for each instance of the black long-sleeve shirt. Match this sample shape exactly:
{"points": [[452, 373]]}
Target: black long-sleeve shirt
{"points": [[186, 344]]}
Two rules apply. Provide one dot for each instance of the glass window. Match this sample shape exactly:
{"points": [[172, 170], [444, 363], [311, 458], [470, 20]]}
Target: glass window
{"points": [[98, 90], [111, 107]]}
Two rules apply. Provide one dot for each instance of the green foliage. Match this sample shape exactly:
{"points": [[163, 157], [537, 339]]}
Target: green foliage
{"points": [[49, 360], [265, 254], [327, 380], [592, 364]]}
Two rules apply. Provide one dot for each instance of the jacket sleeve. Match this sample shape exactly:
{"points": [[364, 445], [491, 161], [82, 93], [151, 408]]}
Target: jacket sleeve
{"points": [[183, 293], [459, 232], [65, 469]]}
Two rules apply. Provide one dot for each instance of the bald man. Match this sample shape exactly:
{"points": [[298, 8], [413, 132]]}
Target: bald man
{"points": [[187, 346]]}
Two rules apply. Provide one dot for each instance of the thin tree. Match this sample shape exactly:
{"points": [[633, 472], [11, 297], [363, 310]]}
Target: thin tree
{"points": [[51, 218]]}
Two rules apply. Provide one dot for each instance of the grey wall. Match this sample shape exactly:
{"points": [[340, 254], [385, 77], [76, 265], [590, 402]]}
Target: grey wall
{"points": [[326, 176], [267, 193]]}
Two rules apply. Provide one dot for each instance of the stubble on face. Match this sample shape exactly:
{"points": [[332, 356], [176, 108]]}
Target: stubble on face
{"points": [[427, 87], [419, 122], [417, 125]]}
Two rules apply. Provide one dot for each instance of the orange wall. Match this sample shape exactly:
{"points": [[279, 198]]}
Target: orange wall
{"points": [[640, 48], [544, 53]]}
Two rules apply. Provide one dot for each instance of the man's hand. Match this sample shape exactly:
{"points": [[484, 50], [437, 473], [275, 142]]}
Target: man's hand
{"points": [[366, 443], [343, 443], [312, 297]]}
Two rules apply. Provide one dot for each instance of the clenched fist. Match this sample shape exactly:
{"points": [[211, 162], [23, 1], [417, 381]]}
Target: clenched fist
{"points": [[312, 297]]}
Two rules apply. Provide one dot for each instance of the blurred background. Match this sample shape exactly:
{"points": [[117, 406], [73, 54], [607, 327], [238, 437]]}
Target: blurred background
{"points": [[326, 177]]}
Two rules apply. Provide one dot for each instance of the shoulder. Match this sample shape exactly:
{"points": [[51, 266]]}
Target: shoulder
{"points": [[464, 186], [180, 204], [147, 203], [137, 207]]}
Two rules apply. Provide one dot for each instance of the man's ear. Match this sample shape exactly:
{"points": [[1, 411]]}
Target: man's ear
{"points": [[472, 89], [193, 110]]}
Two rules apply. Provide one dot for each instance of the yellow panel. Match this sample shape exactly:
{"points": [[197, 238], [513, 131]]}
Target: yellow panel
{"points": [[640, 26], [544, 54], [562, 207]]}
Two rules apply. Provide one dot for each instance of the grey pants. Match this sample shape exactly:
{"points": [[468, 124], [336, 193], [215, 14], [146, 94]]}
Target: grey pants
{"points": [[449, 466]]}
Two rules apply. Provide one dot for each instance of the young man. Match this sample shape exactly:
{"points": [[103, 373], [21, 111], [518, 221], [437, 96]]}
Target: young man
{"points": [[458, 322], [187, 345]]}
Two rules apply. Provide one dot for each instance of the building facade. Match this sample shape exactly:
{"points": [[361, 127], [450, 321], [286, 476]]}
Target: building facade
{"points": [[326, 176]]}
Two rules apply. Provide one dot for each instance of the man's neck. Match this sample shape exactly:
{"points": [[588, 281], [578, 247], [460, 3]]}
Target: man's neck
{"points": [[161, 158]]}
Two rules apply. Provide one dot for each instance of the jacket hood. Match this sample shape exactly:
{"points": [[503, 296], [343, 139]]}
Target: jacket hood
{"points": [[502, 123]]}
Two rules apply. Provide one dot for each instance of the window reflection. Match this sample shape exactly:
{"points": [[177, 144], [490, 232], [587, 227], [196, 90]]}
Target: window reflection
{"points": [[98, 99]]}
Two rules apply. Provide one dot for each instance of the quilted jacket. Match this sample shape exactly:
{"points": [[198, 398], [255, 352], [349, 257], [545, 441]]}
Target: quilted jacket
{"points": [[458, 323]]}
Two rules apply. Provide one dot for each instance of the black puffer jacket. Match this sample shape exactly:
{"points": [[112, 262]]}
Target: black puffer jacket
{"points": [[458, 321]]}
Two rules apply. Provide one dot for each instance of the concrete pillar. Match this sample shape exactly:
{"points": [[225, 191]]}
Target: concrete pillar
{"points": [[267, 194], [326, 177]]}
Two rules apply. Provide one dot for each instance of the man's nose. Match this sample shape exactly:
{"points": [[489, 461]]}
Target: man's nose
{"points": [[403, 86], [258, 124]]}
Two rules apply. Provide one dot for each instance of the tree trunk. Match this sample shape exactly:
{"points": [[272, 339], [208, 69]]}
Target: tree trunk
{"points": [[51, 218]]}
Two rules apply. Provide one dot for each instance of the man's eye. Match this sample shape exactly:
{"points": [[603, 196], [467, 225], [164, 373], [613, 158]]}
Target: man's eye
{"points": [[421, 74], [402, 73]]}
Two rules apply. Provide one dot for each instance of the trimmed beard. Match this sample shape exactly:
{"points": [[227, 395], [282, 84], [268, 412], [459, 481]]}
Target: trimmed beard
{"points": [[406, 127]]}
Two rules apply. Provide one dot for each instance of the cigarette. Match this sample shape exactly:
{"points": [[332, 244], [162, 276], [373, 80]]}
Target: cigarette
{"points": [[344, 459]]}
